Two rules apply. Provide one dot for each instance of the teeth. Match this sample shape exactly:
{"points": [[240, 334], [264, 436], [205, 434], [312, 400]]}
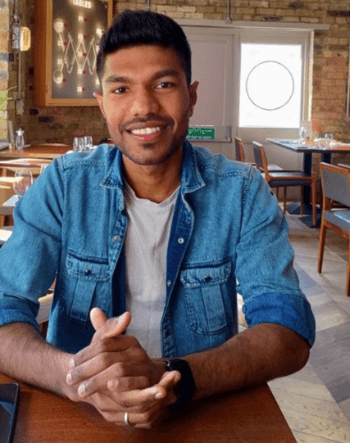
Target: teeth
{"points": [[145, 131]]}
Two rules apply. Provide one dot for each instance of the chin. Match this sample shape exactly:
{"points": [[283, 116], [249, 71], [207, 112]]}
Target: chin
{"points": [[150, 158]]}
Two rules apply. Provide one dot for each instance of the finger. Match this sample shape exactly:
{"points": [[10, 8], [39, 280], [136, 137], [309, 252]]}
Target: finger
{"points": [[113, 327], [143, 420], [92, 384], [166, 387], [122, 384], [103, 352], [140, 398], [169, 379], [146, 397], [98, 318]]}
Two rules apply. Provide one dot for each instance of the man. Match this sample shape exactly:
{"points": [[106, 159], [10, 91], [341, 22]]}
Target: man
{"points": [[148, 242]]}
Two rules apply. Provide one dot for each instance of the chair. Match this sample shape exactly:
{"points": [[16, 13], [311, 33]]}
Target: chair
{"points": [[240, 156], [336, 189], [8, 169], [343, 165], [285, 178], [21, 163]]}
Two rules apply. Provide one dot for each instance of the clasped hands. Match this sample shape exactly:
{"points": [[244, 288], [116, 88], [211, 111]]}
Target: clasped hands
{"points": [[115, 374]]}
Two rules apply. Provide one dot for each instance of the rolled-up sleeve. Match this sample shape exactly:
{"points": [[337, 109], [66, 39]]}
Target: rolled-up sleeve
{"points": [[267, 279], [29, 259]]}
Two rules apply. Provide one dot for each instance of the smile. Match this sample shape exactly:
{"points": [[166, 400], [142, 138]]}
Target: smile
{"points": [[145, 131]]}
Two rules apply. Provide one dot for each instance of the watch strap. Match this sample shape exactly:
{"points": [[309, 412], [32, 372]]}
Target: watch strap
{"points": [[185, 388]]}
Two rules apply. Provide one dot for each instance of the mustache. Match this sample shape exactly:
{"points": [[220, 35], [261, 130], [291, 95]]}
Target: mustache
{"points": [[154, 119]]}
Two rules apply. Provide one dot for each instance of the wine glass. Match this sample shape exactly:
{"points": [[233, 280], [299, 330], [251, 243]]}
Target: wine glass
{"points": [[23, 180], [329, 138]]}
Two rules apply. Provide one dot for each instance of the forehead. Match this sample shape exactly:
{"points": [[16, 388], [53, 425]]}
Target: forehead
{"points": [[142, 60]]}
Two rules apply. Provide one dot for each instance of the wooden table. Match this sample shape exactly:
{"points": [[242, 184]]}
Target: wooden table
{"points": [[5, 234], [307, 150], [249, 416], [49, 151]]}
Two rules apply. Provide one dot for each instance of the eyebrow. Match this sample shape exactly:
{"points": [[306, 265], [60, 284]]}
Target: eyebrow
{"points": [[125, 79]]}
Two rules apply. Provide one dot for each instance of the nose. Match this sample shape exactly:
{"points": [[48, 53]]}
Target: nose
{"points": [[144, 103]]}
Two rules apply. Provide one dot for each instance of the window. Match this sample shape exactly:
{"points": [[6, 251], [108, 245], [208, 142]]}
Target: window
{"points": [[270, 85]]}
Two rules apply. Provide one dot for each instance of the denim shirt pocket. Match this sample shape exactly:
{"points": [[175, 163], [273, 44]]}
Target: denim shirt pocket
{"points": [[88, 273], [205, 290]]}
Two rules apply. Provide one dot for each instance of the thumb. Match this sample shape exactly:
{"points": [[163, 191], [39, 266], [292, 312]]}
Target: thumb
{"points": [[98, 318], [108, 328]]}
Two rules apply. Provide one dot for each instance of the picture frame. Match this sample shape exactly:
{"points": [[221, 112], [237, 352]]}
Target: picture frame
{"points": [[66, 41]]}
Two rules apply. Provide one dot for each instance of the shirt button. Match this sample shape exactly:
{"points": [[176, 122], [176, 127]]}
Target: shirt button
{"points": [[88, 271], [116, 237], [168, 282], [180, 240]]}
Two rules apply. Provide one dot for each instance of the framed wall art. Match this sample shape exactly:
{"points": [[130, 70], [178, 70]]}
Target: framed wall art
{"points": [[67, 34]]}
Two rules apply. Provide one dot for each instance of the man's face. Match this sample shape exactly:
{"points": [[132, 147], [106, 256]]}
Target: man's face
{"points": [[146, 102]]}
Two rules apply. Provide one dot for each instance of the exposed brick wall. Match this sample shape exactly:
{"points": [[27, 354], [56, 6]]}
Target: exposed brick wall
{"points": [[330, 63], [4, 66], [52, 123]]}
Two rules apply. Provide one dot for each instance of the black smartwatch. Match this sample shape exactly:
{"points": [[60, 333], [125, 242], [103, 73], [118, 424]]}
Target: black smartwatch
{"points": [[186, 386]]}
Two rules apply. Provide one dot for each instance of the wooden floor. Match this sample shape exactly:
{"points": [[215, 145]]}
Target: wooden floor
{"points": [[316, 400]]}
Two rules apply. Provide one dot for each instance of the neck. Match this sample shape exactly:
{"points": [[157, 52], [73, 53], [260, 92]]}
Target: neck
{"points": [[154, 182]]}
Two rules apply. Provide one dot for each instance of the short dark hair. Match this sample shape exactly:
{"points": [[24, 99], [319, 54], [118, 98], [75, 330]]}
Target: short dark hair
{"points": [[134, 28]]}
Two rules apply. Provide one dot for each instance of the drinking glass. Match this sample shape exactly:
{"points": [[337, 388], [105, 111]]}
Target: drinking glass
{"points": [[302, 135], [304, 131], [81, 144], [329, 139], [76, 144], [23, 180], [88, 142]]}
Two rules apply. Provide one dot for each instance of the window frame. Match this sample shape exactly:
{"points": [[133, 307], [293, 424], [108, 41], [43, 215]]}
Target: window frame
{"points": [[260, 32]]}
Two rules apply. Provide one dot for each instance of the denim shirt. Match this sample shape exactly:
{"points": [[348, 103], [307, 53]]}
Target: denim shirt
{"points": [[227, 230]]}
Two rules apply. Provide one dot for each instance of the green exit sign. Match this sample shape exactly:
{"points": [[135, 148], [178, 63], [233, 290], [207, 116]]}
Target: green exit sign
{"points": [[201, 133]]}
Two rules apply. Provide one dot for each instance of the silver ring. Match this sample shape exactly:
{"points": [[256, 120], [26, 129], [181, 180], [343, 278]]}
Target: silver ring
{"points": [[126, 419]]}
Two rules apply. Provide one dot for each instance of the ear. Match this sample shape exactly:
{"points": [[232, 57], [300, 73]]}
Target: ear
{"points": [[192, 89], [99, 97]]}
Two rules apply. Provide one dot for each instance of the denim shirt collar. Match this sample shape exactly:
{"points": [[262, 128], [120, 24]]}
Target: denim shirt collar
{"points": [[191, 177]]}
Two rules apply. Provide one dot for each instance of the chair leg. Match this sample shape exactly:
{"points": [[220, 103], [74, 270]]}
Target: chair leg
{"points": [[313, 202], [321, 247], [301, 200], [285, 199], [347, 287]]}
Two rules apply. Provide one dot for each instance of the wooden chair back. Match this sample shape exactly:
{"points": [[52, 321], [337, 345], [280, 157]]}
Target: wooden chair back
{"points": [[22, 163], [336, 190], [261, 159], [240, 155]]}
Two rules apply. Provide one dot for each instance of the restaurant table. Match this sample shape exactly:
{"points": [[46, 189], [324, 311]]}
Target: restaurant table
{"points": [[5, 234], [248, 416], [307, 150], [7, 209], [48, 151]]}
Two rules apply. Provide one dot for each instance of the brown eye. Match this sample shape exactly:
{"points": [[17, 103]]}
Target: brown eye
{"points": [[165, 85], [120, 90]]}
